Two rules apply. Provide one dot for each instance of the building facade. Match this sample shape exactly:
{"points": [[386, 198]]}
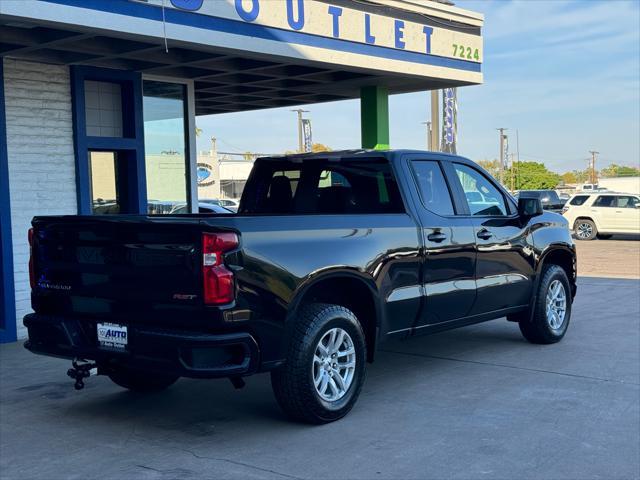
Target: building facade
{"points": [[98, 98]]}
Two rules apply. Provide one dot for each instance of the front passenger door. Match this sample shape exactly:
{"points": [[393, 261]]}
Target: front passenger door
{"points": [[504, 262]]}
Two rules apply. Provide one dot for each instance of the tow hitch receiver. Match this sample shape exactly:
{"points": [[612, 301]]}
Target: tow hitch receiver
{"points": [[81, 371]]}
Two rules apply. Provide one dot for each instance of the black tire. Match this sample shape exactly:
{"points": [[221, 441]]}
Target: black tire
{"points": [[141, 381], [585, 229], [536, 328], [293, 383], [604, 236]]}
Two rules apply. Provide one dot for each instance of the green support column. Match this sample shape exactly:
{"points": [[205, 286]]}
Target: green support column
{"points": [[374, 117]]}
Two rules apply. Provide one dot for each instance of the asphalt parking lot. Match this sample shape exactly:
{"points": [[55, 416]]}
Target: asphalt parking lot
{"points": [[477, 402], [616, 258]]}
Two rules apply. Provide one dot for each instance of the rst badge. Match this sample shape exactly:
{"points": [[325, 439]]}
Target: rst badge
{"points": [[111, 335]]}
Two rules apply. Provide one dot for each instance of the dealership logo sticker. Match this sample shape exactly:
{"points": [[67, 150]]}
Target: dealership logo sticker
{"points": [[205, 173]]}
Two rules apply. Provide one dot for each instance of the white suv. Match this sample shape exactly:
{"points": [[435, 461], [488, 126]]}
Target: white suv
{"points": [[600, 215]]}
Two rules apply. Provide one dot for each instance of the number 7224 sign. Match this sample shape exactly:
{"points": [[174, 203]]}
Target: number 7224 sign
{"points": [[467, 53]]}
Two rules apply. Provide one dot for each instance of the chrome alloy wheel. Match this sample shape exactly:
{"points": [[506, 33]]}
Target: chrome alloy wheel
{"points": [[334, 364], [556, 304], [585, 230]]}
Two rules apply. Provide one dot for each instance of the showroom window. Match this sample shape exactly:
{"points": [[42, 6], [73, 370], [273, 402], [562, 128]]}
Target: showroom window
{"points": [[166, 146]]}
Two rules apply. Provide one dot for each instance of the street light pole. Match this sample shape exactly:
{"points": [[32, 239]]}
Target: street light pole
{"points": [[300, 143], [435, 121], [501, 130], [429, 139], [592, 173]]}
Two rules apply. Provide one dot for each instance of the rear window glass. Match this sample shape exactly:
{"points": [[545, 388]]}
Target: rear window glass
{"points": [[545, 196], [579, 200], [321, 186]]}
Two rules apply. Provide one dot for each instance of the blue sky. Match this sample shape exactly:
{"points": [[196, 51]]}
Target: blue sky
{"points": [[565, 74]]}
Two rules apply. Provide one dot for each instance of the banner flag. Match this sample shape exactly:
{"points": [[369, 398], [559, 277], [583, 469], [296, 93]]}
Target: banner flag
{"points": [[449, 120], [306, 132]]}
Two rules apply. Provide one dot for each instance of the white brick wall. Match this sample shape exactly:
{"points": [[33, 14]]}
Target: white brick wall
{"points": [[41, 159]]}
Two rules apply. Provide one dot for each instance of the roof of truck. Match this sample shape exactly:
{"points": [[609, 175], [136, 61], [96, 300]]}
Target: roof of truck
{"points": [[366, 153]]}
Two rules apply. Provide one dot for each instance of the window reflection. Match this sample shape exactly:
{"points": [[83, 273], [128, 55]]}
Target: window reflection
{"points": [[165, 138], [103, 170]]}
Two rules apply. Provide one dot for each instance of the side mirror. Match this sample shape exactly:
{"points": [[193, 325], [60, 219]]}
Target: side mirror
{"points": [[529, 207]]}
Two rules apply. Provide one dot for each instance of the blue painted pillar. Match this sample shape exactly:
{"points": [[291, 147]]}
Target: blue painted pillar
{"points": [[7, 288]]}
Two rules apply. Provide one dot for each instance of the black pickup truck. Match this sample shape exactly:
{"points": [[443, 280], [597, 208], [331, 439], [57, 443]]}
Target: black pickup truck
{"points": [[328, 256]]}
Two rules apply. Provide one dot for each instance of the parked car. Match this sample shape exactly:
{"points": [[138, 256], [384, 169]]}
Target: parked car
{"points": [[600, 215], [203, 207], [330, 255], [224, 202], [549, 199]]}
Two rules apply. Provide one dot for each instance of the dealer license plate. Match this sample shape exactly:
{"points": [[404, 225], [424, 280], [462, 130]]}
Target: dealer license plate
{"points": [[111, 335]]}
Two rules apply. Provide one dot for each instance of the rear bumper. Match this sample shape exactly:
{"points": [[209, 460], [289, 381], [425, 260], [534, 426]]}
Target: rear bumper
{"points": [[184, 353]]}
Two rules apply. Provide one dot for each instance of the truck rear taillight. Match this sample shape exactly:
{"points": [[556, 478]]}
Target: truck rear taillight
{"points": [[32, 273], [218, 280]]}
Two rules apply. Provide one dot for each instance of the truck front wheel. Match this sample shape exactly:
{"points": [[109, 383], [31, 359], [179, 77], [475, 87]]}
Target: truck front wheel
{"points": [[552, 308], [140, 381], [325, 367]]}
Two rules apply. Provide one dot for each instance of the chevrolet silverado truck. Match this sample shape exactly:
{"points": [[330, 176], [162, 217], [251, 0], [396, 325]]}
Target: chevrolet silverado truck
{"points": [[328, 256]]}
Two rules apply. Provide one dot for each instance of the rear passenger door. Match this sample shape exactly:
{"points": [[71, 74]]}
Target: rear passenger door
{"points": [[504, 263], [627, 214], [448, 283]]}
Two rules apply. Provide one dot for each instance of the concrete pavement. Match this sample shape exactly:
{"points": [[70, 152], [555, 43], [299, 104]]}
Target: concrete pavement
{"points": [[477, 402], [615, 258]]}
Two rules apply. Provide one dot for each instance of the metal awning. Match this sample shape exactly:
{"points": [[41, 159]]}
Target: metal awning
{"points": [[228, 76]]}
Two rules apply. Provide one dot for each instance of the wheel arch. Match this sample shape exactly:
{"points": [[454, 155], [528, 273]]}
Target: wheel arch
{"points": [[565, 257], [349, 288]]}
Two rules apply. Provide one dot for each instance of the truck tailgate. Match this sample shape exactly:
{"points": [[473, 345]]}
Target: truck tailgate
{"points": [[123, 268]]}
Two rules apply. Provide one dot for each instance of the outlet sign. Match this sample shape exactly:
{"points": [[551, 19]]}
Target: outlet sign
{"points": [[345, 23]]}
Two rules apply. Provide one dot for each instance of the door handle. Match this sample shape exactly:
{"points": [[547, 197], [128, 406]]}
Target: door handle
{"points": [[436, 237], [485, 234]]}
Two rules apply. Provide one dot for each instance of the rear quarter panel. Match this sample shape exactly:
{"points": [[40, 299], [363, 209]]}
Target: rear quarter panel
{"points": [[280, 255]]}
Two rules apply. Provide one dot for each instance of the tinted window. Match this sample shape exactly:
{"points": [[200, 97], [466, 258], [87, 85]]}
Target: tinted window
{"points": [[627, 202], [529, 193], [605, 201], [545, 196], [550, 196], [317, 185], [432, 187], [482, 196], [579, 200]]}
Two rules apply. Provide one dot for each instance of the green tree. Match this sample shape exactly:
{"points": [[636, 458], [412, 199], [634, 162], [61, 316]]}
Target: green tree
{"points": [[532, 176], [319, 147], [614, 170], [491, 166], [569, 177]]}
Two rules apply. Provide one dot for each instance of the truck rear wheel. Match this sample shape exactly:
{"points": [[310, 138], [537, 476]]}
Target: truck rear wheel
{"points": [[140, 381], [325, 366], [552, 308]]}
